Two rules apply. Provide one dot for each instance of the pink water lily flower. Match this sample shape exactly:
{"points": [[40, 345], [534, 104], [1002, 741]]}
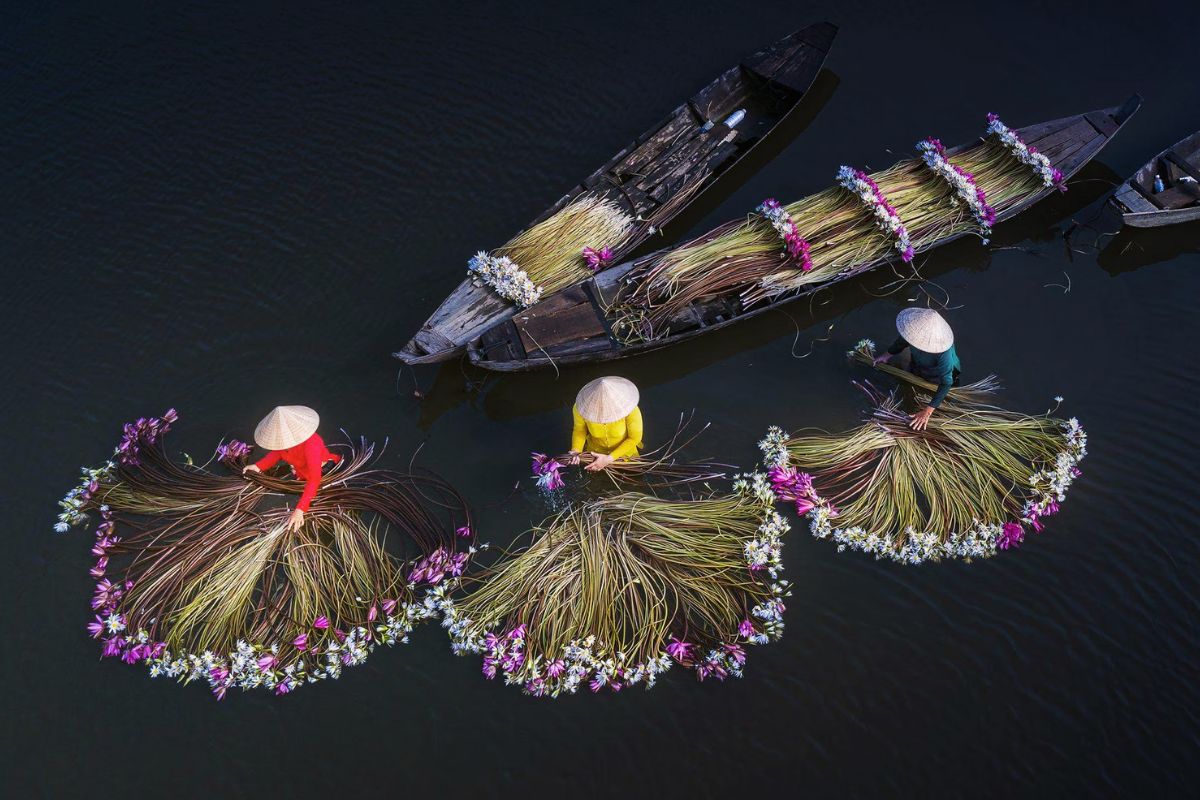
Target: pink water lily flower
{"points": [[267, 661], [746, 629], [301, 642], [679, 650], [96, 629], [321, 623], [1011, 535], [464, 531], [388, 606], [556, 668]]}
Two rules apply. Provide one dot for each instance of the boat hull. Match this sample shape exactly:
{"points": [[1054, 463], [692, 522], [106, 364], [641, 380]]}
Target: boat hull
{"points": [[1070, 143], [657, 176]]}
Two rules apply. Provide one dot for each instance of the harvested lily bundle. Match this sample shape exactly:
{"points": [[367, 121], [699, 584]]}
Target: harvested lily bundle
{"points": [[963, 488], [661, 466], [556, 252], [901, 210], [980, 391], [613, 591], [199, 576]]}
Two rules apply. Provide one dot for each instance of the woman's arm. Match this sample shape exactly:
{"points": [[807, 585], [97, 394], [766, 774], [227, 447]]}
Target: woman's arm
{"points": [[314, 455], [269, 460], [578, 431], [633, 436]]}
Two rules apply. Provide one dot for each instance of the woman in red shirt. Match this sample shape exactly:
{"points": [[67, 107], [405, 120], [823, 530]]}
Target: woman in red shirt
{"points": [[290, 433]]}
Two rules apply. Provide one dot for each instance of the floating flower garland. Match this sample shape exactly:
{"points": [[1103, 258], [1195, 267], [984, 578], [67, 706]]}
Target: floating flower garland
{"points": [[1046, 489], [933, 153], [502, 275], [590, 661], [886, 218], [797, 247], [1026, 155], [316, 653]]}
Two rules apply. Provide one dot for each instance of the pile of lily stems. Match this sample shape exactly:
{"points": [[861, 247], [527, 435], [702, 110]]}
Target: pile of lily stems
{"points": [[550, 252], [612, 590], [208, 565], [662, 465], [978, 392], [956, 489], [747, 256]]}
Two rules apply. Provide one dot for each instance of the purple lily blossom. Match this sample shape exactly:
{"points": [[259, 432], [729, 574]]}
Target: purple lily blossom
{"points": [[679, 650]]}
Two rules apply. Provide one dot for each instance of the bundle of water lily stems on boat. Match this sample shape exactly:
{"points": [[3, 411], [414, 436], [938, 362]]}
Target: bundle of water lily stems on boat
{"points": [[559, 251], [965, 487], [902, 210], [200, 578], [612, 591]]}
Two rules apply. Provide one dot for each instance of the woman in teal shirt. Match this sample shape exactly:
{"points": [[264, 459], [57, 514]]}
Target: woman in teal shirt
{"points": [[930, 342]]}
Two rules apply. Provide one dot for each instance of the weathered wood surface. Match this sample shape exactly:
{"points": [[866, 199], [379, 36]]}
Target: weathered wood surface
{"points": [[1069, 143], [1142, 207], [659, 174]]}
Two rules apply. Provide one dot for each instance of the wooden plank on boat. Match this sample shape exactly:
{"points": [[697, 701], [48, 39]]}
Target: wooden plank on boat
{"points": [[1178, 197], [1080, 129], [1134, 202], [715, 101], [501, 343], [695, 149], [687, 174], [1184, 165], [431, 340], [571, 316], [1102, 122], [682, 122]]}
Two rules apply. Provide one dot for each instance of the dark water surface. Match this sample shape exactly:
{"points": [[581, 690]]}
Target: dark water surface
{"points": [[222, 211]]}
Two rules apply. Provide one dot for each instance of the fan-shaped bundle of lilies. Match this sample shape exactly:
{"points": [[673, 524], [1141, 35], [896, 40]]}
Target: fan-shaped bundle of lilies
{"points": [[201, 578], [614, 590]]}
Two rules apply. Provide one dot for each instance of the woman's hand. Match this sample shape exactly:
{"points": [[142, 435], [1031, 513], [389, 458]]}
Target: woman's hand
{"points": [[295, 520], [601, 463], [573, 458], [883, 359], [920, 420], [246, 470]]}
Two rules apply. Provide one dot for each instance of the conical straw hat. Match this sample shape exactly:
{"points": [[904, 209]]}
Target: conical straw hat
{"points": [[286, 426], [607, 399], [924, 329]]}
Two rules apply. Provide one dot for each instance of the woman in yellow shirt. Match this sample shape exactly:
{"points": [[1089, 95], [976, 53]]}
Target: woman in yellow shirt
{"points": [[608, 423]]}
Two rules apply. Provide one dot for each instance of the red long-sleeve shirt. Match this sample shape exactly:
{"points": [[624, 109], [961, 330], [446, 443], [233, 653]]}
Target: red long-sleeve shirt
{"points": [[306, 460]]}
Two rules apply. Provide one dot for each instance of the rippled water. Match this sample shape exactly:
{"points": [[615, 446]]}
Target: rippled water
{"points": [[225, 210]]}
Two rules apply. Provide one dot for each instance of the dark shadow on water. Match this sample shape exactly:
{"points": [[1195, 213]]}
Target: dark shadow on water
{"points": [[1134, 248]]}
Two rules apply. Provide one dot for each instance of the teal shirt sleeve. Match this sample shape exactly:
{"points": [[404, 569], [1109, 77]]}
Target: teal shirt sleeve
{"points": [[946, 364]]}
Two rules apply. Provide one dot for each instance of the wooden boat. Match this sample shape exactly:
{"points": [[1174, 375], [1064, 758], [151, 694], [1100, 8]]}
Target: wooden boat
{"points": [[657, 175], [1179, 167], [571, 327]]}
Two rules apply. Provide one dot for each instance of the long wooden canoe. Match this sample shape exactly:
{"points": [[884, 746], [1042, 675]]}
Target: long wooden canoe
{"points": [[1179, 167], [660, 173], [571, 327]]}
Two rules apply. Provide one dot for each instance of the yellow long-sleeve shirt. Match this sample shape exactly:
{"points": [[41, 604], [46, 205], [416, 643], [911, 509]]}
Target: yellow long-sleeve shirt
{"points": [[618, 439]]}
